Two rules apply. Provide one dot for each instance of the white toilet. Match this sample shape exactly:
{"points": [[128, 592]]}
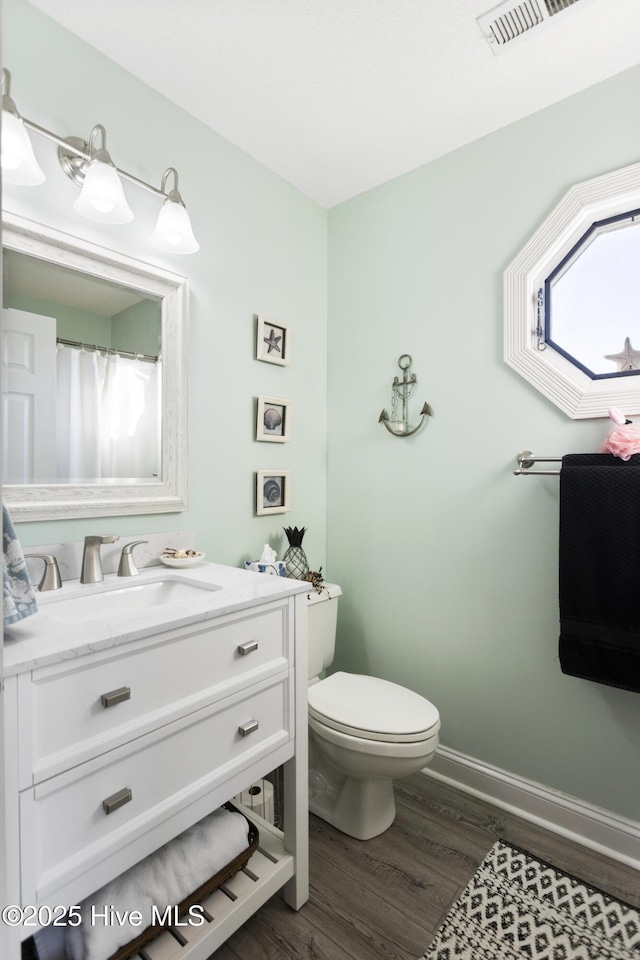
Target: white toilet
{"points": [[363, 733]]}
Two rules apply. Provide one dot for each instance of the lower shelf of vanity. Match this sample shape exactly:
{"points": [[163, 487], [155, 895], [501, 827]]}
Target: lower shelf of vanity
{"points": [[232, 904]]}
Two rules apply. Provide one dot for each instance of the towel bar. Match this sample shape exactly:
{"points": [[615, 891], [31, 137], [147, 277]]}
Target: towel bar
{"points": [[526, 460]]}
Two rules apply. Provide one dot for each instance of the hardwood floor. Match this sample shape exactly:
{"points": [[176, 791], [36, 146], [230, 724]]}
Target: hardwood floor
{"points": [[385, 898]]}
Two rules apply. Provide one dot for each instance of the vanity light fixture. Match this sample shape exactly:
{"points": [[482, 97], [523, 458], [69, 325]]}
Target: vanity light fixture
{"points": [[101, 197], [90, 166], [19, 164], [173, 231]]}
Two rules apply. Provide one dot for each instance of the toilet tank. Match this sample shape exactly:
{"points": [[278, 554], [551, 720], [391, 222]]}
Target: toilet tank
{"points": [[323, 616]]}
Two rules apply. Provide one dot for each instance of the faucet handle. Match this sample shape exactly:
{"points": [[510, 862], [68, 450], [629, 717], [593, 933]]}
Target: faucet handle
{"points": [[127, 567], [51, 574]]}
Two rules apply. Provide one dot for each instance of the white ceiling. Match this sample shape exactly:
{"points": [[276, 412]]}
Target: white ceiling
{"points": [[338, 96]]}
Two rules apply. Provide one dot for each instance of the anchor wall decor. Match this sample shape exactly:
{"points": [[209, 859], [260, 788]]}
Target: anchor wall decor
{"points": [[401, 391]]}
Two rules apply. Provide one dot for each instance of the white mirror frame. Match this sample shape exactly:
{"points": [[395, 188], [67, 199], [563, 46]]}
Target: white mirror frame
{"points": [[553, 375], [65, 501]]}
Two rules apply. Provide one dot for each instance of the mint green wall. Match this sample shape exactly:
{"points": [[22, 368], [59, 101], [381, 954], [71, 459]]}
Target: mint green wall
{"points": [[138, 328], [449, 563], [262, 249]]}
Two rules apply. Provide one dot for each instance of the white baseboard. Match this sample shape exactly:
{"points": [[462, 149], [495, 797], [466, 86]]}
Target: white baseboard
{"points": [[610, 834]]}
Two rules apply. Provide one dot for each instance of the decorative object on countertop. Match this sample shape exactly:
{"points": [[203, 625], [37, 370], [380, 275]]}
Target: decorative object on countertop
{"points": [[272, 491], [401, 391], [624, 436], [178, 873], [272, 341], [273, 420], [315, 578], [268, 563], [18, 593], [294, 556], [176, 557]]}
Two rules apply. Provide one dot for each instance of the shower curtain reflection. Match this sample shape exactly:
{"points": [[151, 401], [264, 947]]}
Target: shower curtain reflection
{"points": [[107, 417]]}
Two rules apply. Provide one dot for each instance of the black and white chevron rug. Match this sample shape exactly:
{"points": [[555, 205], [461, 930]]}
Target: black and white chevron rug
{"points": [[517, 906]]}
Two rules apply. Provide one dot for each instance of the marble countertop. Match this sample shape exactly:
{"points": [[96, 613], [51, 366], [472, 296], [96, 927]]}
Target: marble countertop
{"points": [[45, 638]]}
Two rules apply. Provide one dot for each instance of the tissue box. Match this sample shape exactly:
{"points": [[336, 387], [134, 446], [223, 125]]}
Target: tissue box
{"points": [[277, 569]]}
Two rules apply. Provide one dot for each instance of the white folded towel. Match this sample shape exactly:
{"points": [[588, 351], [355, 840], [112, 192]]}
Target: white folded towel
{"points": [[162, 879]]}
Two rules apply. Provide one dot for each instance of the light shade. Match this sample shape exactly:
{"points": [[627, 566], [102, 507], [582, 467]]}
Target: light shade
{"points": [[173, 232], [102, 197], [19, 164]]}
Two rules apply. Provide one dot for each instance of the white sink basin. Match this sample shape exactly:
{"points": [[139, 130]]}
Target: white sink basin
{"points": [[112, 600]]}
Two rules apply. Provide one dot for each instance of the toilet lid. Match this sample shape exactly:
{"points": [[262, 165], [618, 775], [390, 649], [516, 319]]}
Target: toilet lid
{"points": [[372, 708]]}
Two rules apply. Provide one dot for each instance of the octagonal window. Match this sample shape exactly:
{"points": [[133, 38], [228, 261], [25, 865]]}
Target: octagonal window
{"points": [[592, 300]]}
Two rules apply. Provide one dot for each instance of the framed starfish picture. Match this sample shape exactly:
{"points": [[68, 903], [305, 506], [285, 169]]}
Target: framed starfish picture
{"points": [[272, 342]]}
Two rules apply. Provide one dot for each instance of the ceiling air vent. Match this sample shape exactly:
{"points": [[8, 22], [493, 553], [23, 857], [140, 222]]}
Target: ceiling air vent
{"points": [[512, 20]]}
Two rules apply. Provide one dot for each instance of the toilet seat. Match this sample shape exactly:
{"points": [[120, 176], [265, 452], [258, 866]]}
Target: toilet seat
{"points": [[372, 709]]}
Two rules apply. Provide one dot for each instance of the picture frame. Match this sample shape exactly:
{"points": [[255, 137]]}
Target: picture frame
{"points": [[273, 491], [273, 420], [272, 341]]}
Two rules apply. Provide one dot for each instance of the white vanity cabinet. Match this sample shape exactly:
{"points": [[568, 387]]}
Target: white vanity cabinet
{"points": [[110, 753]]}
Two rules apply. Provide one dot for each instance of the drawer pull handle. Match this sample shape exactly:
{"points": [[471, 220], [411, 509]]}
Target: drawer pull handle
{"points": [[117, 800], [248, 647], [246, 728], [115, 696]]}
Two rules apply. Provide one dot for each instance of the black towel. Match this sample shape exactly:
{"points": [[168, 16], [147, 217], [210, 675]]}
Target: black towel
{"points": [[599, 569]]}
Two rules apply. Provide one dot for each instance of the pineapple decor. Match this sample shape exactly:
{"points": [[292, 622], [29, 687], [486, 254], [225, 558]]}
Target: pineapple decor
{"points": [[294, 556]]}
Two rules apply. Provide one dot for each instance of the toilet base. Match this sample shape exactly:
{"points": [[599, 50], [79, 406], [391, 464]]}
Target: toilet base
{"points": [[360, 808]]}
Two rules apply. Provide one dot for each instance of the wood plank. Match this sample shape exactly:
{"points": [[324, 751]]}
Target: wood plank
{"points": [[469, 814], [385, 863], [276, 931], [383, 899], [358, 894]]}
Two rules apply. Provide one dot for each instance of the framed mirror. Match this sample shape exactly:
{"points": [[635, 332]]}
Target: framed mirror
{"points": [[94, 379], [571, 300]]}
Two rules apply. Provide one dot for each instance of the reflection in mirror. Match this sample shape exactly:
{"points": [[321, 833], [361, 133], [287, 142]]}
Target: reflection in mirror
{"points": [[94, 379], [592, 300], [88, 409]]}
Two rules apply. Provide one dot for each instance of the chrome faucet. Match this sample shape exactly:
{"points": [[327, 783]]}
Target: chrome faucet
{"points": [[127, 567], [51, 574], [91, 559]]}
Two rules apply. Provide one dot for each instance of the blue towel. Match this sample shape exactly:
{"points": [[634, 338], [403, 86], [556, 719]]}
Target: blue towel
{"points": [[18, 594]]}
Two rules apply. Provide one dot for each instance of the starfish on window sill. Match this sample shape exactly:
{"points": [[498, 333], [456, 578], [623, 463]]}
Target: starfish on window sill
{"points": [[627, 359]]}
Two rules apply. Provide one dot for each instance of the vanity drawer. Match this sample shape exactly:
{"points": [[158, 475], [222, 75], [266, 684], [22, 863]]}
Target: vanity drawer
{"points": [[63, 820], [81, 709]]}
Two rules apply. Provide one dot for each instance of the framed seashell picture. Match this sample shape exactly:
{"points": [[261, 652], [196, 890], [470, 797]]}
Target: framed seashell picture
{"points": [[273, 420], [273, 488], [272, 341]]}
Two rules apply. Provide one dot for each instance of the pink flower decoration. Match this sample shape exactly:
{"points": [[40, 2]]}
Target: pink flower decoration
{"points": [[623, 441]]}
